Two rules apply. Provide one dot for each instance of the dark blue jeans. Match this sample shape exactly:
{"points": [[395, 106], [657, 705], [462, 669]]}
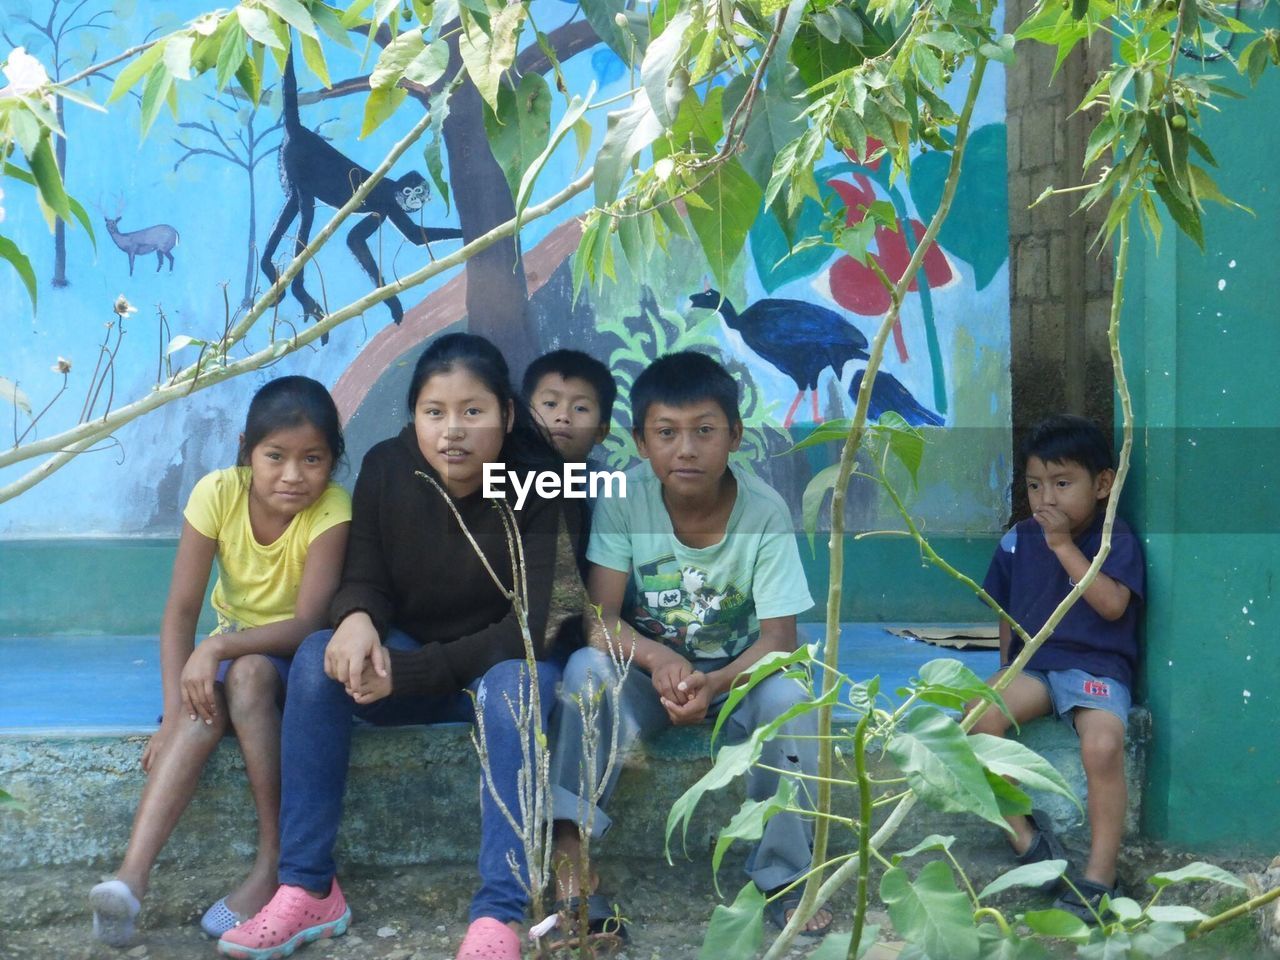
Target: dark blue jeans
{"points": [[316, 746]]}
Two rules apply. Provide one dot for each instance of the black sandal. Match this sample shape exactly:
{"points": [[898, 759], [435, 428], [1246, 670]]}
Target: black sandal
{"points": [[603, 918], [1044, 846], [777, 909]]}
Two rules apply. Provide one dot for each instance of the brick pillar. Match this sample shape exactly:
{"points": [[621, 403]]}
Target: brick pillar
{"points": [[1059, 277]]}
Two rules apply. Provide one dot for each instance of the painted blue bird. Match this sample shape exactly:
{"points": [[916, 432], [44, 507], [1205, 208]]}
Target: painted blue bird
{"points": [[798, 338], [888, 393]]}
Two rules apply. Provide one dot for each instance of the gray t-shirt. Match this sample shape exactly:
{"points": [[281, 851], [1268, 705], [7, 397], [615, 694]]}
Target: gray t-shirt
{"points": [[705, 603]]}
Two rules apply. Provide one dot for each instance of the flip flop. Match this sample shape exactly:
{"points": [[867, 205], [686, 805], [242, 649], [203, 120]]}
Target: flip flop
{"points": [[776, 910], [1044, 846], [220, 918], [602, 917], [1088, 905]]}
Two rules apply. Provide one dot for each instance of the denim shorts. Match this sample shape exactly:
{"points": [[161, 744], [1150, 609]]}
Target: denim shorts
{"points": [[1069, 689]]}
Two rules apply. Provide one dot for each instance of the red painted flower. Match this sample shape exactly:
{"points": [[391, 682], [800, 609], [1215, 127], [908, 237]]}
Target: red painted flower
{"points": [[855, 286]]}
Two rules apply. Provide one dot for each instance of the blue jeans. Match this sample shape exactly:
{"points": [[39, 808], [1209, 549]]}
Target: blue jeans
{"points": [[316, 745]]}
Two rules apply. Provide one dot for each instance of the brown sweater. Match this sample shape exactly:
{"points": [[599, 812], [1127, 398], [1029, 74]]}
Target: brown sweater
{"points": [[410, 566]]}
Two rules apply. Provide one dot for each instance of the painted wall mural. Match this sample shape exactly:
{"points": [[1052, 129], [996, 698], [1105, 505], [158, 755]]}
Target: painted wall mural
{"points": [[181, 217]]}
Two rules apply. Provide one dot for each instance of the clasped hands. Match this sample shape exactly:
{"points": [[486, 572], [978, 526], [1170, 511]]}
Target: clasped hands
{"points": [[357, 659], [685, 693]]}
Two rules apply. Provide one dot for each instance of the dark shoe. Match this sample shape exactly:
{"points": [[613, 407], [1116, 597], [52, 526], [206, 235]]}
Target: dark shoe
{"points": [[1044, 846], [1086, 905], [602, 918], [777, 910]]}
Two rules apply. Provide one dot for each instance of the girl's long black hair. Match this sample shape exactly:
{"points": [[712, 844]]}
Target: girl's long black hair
{"points": [[288, 402], [525, 447]]}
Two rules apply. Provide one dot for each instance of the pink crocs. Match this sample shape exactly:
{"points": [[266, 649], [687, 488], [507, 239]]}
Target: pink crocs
{"points": [[291, 919], [489, 939]]}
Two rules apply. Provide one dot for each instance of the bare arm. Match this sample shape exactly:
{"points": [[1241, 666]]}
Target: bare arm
{"points": [[191, 569], [776, 634], [1108, 597]]}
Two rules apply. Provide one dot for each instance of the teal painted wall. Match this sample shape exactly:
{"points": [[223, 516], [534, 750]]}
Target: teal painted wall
{"points": [[1202, 349]]}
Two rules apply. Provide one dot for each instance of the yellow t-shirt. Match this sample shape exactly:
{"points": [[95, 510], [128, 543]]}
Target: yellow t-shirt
{"points": [[257, 584]]}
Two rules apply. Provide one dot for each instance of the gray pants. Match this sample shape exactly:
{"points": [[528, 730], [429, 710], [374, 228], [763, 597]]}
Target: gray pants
{"points": [[784, 851]]}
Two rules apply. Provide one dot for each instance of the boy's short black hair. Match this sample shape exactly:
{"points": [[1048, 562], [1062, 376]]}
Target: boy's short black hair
{"points": [[1068, 437], [681, 379], [574, 363]]}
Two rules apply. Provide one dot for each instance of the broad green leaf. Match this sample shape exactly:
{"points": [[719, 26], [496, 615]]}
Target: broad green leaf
{"points": [[257, 24], [773, 662], [1028, 875], [628, 132], [230, 54], [748, 823], [177, 56], [734, 201], [9, 251], [776, 120], [1125, 908], [814, 494], [1157, 939], [934, 841], [572, 120], [835, 946], [931, 912], [181, 341], [659, 73], [1175, 913], [295, 14], [487, 56], [380, 105], [1114, 947], [313, 54], [937, 759], [737, 930], [906, 443], [601, 15], [1011, 800], [829, 431], [429, 65], [1187, 219], [999, 946], [249, 76], [330, 23], [1058, 924], [135, 71], [949, 683], [396, 57], [44, 167], [1206, 189], [13, 393], [519, 131], [1009, 758], [439, 108], [1196, 872]]}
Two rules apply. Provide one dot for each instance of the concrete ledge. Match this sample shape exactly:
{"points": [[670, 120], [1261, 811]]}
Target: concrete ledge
{"points": [[412, 797]]}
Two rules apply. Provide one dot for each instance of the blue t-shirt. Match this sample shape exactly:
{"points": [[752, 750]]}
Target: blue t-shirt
{"points": [[703, 602], [1026, 579]]}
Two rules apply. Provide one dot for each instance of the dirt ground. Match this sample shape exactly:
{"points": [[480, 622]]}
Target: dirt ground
{"points": [[419, 912]]}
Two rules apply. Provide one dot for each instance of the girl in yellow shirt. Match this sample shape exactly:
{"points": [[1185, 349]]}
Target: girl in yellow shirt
{"points": [[277, 524]]}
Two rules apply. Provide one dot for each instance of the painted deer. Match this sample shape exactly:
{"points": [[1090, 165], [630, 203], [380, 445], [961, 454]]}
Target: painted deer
{"points": [[159, 239]]}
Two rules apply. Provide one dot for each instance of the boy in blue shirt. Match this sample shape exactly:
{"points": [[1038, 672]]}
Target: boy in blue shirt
{"points": [[708, 553], [1084, 671]]}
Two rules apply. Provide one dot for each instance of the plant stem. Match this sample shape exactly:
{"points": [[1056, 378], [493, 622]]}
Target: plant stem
{"points": [[810, 900], [864, 835], [1239, 910]]}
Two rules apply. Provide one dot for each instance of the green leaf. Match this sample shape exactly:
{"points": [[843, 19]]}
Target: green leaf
{"points": [[396, 57], [519, 131], [429, 65], [135, 71], [829, 431], [44, 167], [295, 14], [439, 110], [627, 133], [1175, 913], [1009, 758], [1205, 189], [601, 15], [11, 392], [931, 912], [1000, 946], [487, 56], [257, 24], [9, 251], [934, 841], [1124, 908], [1058, 924], [1157, 939], [1116, 946], [738, 930], [906, 443], [571, 120], [658, 72], [748, 823], [1196, 873], [734, 201], [230, 54], [815, 492], [949, 683], [1011, 800], [773, 662], [313, 54], [1028, 875], [250, 79], [1187, 219], [330, 23], [177, 56], [380, 105], [835, 946], [937, 759]]}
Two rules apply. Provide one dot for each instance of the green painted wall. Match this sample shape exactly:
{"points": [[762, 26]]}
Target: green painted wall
{"points": [[118, 586], [1202, 348]]}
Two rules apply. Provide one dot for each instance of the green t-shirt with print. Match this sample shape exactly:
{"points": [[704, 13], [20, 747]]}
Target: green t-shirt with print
{"points": [[705, 603]]}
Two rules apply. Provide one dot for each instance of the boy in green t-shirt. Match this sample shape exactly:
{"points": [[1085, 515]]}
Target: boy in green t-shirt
{"points": [[708, 553]]}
